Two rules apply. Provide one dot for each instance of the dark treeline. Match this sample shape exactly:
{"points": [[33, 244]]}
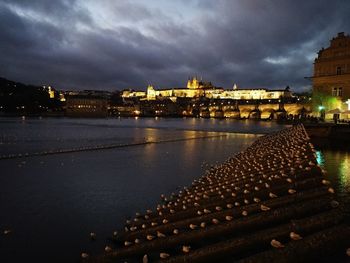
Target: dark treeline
{"points": [[16, 97]]}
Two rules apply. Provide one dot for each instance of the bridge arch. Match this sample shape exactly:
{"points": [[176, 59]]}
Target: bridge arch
{"points": [[268, 113], [234, 114], [255, 114]]}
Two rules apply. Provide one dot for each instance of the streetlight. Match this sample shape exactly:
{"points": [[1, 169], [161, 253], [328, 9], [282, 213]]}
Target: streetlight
{"points": [[322, 112], [348, 102]]}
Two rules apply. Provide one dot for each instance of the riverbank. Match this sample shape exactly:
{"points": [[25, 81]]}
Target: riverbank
{"points": [[145, 116], [269, 203], [328, 133]]}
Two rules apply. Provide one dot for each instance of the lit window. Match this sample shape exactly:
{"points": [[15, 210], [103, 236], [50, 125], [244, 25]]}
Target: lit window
{"points": [[334, 92], [340, 92]]}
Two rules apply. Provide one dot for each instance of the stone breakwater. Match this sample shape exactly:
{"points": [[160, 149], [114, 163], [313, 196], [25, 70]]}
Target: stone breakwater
{"points": [[269, 203]]}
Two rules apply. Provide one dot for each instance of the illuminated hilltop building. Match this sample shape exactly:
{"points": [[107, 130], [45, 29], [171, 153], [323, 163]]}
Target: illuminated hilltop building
{"points": [[50, 91], [331, 79], [255, 94], [197, 88], [193, 83]]}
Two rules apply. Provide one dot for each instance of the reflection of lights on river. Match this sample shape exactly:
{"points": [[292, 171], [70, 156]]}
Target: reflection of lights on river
{"points": [[344, 171], [319, 158]]}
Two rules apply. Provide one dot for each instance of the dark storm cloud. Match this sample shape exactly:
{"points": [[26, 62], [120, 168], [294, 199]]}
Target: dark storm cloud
{"points": [[123, 44], [254, 31]]}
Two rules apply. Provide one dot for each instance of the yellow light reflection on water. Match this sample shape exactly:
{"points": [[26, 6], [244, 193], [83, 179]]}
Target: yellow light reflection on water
{"points": [[344, 171], [337, 165]]}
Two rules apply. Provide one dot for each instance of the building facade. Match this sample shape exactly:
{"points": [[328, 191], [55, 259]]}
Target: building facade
{"points": [[195, 83], [196, 89], [86, 105], [255, 94], [331, 78]]}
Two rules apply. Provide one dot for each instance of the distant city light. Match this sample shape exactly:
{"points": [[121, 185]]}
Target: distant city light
{"points": [[348, 102]]}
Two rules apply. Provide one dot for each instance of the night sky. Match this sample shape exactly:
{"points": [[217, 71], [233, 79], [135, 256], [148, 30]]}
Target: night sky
{"points": [[117, 44]]}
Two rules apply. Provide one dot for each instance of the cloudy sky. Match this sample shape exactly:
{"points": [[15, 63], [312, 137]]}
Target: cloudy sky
{"points": [[117, 44]]}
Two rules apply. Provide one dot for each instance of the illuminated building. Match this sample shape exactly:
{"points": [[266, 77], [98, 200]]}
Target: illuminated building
{"points": [[133, 94], [153, 94], [331, 79], [86, 104], [194, 83], [196, 89], [203, 99], [255, 94], [50, 91], [62, 98]]}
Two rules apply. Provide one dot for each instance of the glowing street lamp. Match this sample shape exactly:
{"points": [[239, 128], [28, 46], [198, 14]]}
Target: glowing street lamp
{"points": [[348, 102], [322, 112]]}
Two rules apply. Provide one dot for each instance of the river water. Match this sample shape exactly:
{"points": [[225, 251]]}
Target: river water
{"points": [[51, 201]]}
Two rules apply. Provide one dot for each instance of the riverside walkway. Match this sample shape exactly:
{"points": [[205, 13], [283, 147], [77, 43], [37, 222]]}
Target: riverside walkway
{"points": [[269, 203]]}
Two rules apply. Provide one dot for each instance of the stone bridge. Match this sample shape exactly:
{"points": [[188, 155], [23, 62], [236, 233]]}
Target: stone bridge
{"points": [[258, 111]]}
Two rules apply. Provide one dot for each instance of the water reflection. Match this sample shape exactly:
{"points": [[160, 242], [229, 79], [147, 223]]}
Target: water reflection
{"points": [[344, 171], [319, 158], [337, 165], [150, 153], [189, 149]]}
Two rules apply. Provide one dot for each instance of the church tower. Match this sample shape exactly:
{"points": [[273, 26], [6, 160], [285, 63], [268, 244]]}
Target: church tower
{"points": [[193, 83]]}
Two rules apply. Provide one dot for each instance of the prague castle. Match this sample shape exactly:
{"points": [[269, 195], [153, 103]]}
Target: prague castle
{"points": [[197, 88], [194, 83], [331, 79]]}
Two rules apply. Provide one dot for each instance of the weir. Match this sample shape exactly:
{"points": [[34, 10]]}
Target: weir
{"points": [[269, 203], [105, 147]]}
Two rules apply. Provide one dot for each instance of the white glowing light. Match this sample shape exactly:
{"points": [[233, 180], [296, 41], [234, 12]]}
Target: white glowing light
{"points": [[348, 102]]}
